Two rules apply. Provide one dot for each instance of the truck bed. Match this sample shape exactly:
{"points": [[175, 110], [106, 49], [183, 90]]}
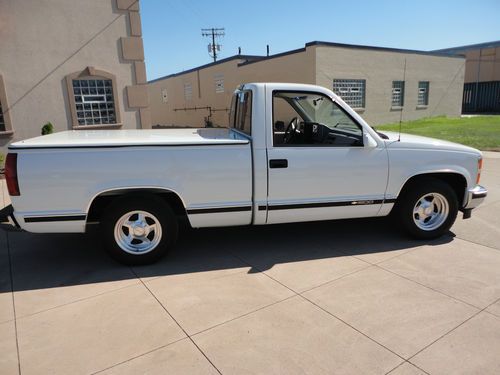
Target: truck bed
{"points": [[132, 137]]}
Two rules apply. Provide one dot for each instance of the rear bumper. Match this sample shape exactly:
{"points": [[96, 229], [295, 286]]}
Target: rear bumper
{"points": [[475, 197], [7, 216]]}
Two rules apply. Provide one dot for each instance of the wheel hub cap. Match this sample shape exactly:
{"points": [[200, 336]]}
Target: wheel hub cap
{"points": [[138, 232], [430, 211]]}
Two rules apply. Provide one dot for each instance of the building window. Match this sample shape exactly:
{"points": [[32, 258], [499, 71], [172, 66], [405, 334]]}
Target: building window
{"points": [[398, 93], [188, 91], [94, 101], [352, 91], [5, 125], [93, 98], [2, 120], [219, 83], [423, 93], [164, 96]]}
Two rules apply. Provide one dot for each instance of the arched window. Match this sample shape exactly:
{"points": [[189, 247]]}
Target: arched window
{"points": [[5, 124], [93, 99]]}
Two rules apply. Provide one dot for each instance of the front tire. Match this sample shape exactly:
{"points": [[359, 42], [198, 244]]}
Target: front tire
{"points": [[139, 229], [428, 208]]}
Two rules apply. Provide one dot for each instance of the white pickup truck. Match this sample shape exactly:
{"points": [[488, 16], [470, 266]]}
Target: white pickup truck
{"points": [[293, 153]]}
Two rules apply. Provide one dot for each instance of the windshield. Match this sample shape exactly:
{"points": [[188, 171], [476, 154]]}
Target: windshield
{"points": [[320, 109]]}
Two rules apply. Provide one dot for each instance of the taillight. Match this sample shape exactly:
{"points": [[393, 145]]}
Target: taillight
{"points": [[479, 167], [11, 174]]}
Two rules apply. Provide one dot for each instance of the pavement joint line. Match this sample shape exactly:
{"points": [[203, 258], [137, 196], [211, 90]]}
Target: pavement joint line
{"points": [[428, 287], [244, 315], [378, 265], [75, 301], [139, 356], [13, 302], [327, 312], [350, 325], [476, 243], [492, 314], [333, 280], [176, 322], [402, 363], [420, 368], [312, 288], [451, 330], [381, 261]]}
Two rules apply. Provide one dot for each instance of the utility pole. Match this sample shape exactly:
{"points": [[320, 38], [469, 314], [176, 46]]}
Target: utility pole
{"points": [[213, 48]]}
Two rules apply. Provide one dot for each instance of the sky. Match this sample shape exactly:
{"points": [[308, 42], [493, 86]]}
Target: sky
{"points": [[173, 41]]}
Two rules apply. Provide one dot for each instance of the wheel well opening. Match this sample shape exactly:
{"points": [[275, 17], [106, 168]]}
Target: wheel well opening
{"points": [[457, 182], [101, 202]]}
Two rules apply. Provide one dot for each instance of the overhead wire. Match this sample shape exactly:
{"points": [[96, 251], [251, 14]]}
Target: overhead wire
{"points": [[68, 58]]}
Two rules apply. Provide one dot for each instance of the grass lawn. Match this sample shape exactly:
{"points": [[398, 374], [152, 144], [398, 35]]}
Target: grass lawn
{"points": [[482, 132]]}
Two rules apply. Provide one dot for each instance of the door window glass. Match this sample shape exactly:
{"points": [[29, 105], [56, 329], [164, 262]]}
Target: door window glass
{"points": [[311, 119]]}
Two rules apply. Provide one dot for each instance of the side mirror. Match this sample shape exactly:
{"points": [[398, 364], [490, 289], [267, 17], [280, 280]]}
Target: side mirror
{"points": [[368, 141]]}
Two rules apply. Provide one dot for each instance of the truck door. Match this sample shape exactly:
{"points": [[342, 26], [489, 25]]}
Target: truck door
{"points": [[318, 167]]}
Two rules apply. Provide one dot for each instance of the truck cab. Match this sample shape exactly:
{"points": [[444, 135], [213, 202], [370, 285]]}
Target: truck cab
{"points": [[314, 158]]}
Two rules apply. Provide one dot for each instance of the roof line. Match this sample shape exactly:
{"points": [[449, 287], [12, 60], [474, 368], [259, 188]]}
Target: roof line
{"points": [[264, 58], [251, 59], [227, 59], [495, 43], [374, 48]]}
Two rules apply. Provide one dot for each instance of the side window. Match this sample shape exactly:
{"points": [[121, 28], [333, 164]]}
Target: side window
{"points": [[241, 112], [311, 119]]}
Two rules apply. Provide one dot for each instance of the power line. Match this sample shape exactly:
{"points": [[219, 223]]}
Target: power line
{"points": [[213, 48], [82, 46]]}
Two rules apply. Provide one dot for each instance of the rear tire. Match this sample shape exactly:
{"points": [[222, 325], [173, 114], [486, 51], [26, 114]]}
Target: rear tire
{"points": [[427, 209], [138, 229]]}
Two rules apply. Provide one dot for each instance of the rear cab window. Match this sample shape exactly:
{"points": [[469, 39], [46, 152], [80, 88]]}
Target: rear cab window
{"points": [[241, 112]]}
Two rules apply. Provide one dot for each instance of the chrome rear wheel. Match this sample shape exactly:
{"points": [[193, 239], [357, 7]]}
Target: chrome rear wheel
{"points": [[138, 232], [139, 228]]}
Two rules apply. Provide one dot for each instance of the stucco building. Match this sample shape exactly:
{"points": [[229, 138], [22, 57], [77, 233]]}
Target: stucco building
{"points": [[482, 76], [76, 64], [373, 80]]}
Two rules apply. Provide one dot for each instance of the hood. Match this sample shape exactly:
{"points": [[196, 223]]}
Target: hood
{"points": [[419, 142]]}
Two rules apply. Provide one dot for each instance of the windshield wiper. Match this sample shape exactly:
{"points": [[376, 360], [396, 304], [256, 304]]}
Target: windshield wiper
{"points": [[381, 135]]}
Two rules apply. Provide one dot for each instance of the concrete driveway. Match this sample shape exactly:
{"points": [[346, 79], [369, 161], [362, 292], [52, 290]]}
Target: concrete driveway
{"points": [[346, 297]]}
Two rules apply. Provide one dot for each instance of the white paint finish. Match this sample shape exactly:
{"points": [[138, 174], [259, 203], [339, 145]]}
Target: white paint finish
{"points": [[133, 137], [68, 179], [61, 174], [326, 174]]}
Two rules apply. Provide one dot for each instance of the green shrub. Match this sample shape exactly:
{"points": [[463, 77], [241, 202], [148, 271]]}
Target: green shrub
{"points": [[48, 128]]}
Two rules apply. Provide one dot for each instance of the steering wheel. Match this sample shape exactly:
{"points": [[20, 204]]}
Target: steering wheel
{"points": [[291, 130]]}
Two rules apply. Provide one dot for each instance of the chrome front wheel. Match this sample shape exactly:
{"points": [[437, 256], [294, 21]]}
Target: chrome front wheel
{"points": [[427, 208], [430, 211]]}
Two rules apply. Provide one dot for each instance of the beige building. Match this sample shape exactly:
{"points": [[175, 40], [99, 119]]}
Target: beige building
{"points": [[372, 80], [482, 76], [75, 64]]}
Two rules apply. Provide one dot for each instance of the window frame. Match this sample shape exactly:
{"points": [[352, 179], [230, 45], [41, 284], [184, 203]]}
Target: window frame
{"points": [[401, 102], [234, 116], [5, 110], [317, 145], [91, 73], [342, 89], [427, 90]]}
